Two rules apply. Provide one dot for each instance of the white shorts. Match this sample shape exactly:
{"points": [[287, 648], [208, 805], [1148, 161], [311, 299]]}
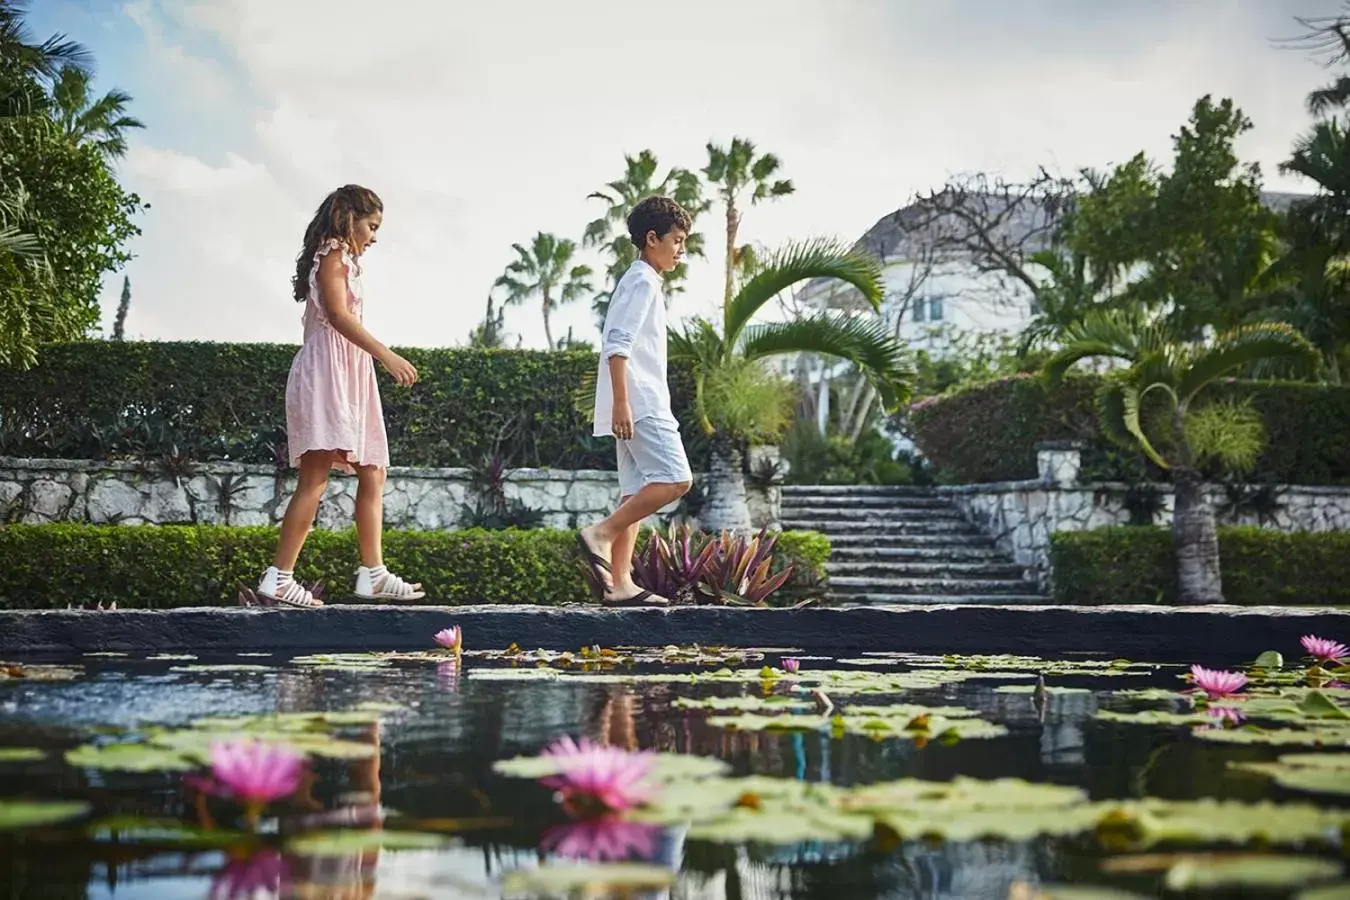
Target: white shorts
{"points": [[655, 455]]}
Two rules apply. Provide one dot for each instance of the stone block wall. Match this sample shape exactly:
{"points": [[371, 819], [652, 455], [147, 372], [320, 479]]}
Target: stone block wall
{"points": [[1021, 515], [55, 490]]}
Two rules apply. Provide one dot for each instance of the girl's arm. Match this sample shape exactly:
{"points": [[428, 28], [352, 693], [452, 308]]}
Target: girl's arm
{"points": [[332, 281]]}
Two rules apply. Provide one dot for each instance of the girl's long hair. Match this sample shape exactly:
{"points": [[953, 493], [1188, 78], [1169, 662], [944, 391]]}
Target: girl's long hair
{"points": [[333, 220]]}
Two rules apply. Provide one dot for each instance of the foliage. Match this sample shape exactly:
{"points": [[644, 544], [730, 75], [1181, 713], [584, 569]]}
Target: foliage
{"points": [[545, 269], [988, 432], [610, 231], [490, 334], [100, 122], [673, 567], [56, 565], [744, 398], [1260, 566], [731, 171], [106, 399], [833, 459]]}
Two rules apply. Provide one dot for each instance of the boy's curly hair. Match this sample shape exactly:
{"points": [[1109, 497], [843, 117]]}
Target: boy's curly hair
{"points": [[658, 214]]}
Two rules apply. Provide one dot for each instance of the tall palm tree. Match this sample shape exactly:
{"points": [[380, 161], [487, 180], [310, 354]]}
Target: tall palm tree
{"points": [[24, 59], [609, 231], [733, 171], [727, 363], [101, 121], [1192, 429], [545, 270]]}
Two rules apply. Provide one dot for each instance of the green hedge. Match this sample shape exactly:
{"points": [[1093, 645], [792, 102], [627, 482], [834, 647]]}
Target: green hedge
{"points": [[164, 566], [988, 432], [210, 401], [1260, 566]]}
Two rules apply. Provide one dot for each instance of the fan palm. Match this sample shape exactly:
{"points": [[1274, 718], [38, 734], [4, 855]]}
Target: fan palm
{"points": [[1193, 429], [545, 270], [728, 363], [734, 170], [610, 230], [101, 121]]}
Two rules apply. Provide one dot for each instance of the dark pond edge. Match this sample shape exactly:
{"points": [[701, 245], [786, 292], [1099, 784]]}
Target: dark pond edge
{"points": [[1155, 633]]}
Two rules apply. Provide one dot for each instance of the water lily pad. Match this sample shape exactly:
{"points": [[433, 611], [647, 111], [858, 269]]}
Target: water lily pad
{"points": [[1147, 694], [195, 744], [909, 725], [239, 667], [665, 766], [107, 653], [1155, 717], [1267, 872], [1139, 824], [128, 758], [344, 843], [1314, 773], [754, 704], [1023, 891], [969, 809], [163, 832], [1278, 737], [158, 657], [33, 813], [781, 820], [597, 880], [35, 672], [21, 754], [1337, 761], [1326, 892], [1053, 690], [1318, 705], [1271, 659]]}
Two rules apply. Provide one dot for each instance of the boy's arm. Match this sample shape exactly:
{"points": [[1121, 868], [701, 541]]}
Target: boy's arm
{"points": [[621, 326]]}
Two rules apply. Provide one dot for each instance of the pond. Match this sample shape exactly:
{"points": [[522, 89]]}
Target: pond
{"points": [[893, 775]]}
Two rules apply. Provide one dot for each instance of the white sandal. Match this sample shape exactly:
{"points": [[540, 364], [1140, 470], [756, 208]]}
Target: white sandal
{"points": [[378, 583], [273, 589]]}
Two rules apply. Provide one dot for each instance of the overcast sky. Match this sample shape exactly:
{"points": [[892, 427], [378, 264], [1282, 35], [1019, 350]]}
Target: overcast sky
{"points": [[480, 123]]}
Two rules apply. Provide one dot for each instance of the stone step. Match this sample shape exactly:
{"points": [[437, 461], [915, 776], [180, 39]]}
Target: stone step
{"points": [[947, 569], [873, 513], [859, 490], [890, 528], [939, 552], [865, 501], [844, 584], [877, 598], [907, 541]]}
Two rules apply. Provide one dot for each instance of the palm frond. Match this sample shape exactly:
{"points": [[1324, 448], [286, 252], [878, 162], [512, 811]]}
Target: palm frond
{"points": [[802, 262], [867, 343], [1132, 400], [1245, 345], [1110, 333], [1334, 96]]}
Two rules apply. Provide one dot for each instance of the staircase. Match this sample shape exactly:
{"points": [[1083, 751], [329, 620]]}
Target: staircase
{"points": [[904, 545]]}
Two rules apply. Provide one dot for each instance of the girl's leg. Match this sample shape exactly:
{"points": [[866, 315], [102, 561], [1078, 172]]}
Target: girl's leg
{"points": [[304, 506], [370, 514], [373, 580]]}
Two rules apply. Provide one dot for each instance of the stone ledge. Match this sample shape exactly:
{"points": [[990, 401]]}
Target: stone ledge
{"points": [[1217, 635]]}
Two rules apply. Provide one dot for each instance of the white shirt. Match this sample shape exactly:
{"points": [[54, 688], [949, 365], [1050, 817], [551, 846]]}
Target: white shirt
{"points": [[635, 328]]}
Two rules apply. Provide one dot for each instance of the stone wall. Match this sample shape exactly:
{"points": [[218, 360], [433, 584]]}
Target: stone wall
{"points": [[56, 490], [1021, 515]]}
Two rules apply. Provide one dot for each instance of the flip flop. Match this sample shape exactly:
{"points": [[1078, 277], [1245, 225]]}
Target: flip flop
{"points": [[641, 598], [594, 560]]}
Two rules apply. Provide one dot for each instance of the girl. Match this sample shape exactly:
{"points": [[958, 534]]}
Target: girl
{"points": [[333, 415]]}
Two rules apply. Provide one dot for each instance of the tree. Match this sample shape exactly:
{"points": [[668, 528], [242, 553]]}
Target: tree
{"points": [[1329, 36], [123, 307], [101, 122], [545, 270], [610, 231], [1194, 240], [737, 399], [733, 171], [1187, 428], [26, 64], [490, 333]]}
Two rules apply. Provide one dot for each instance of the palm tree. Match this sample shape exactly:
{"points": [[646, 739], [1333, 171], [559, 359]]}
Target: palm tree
{"points": [[1073, 287], [733, 171], [546, 270], [490, 333], [86, 120], [609, 231], [1192, 429], [735, 396], [24, 59]]}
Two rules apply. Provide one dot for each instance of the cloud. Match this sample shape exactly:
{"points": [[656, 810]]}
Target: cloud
{"points": [[481, 123]]}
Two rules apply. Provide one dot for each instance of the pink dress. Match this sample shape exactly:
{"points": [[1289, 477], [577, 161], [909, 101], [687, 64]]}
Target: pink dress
{"points": [[332, 398]]}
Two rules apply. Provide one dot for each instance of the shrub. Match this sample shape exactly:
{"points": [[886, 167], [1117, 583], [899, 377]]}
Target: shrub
{"points": [[210, 401], [1260, 566], [988, 432], [165, 566]]}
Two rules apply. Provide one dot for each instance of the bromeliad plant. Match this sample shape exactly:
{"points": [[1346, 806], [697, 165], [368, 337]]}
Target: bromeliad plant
{"points": [[741, 570], [676, 567]]}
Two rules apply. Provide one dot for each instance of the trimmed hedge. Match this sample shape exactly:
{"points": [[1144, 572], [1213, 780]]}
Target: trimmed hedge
{"points": [[988, 432], [212, 401], [1260, 567], [166, 566]]}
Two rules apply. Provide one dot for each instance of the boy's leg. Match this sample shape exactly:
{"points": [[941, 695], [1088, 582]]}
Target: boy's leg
{"points": [[626, 542]]}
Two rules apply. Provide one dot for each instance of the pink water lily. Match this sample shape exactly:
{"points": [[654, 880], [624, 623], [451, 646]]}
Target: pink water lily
{"points": [[593, 778], [450, 638], [244, 878], [253, 773], [602, 839], [1216, 683], [791, 665], [1324, 650]]}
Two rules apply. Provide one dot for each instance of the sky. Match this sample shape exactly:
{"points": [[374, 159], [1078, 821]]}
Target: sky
{"points": [[482, 123]]}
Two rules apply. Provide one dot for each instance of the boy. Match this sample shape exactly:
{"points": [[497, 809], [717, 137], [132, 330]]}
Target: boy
{"points": [[632, 402]]}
